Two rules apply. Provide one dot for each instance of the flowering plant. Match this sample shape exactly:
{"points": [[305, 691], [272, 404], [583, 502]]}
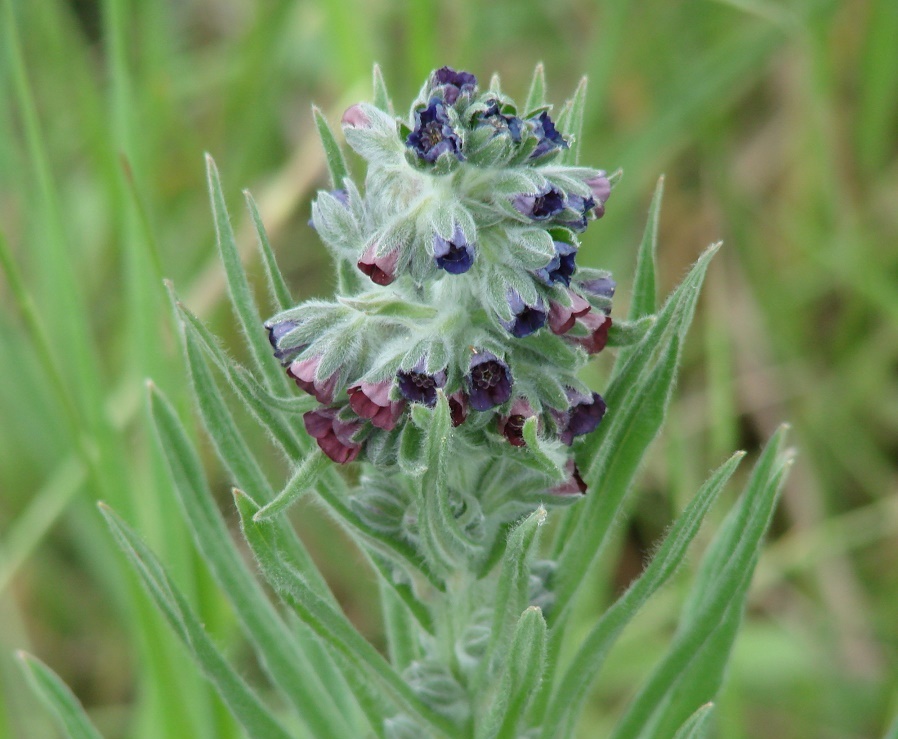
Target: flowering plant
{"points": [[445, 376]]}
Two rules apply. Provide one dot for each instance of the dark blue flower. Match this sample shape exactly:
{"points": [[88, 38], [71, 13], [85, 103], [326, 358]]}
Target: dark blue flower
{"points": [[583, 416], [455, 256], [417, 386], [602, 287], [582, 207], [501, 123], [489, 382], [548, 137], [433, 134], [453, 83], [282, 352], [527, 318], [540, 206], [562, 266]]}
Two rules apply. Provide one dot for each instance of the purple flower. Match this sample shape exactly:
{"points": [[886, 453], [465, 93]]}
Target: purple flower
{"points": [[455, 256], [453, 83], [583, 207], [333, 435], [381, 270], [489, 381], [341, 196], [527, 318], [419, 387], [542, 205], [574, 485], [303, 373], [458, 407], [501, 123], [598, 325], [562, 318], [562, 266], [584, 416], [601, 191], [371, 400], [548, 137], [276, 332], [602, 287], [433, 134], [512, 425]]}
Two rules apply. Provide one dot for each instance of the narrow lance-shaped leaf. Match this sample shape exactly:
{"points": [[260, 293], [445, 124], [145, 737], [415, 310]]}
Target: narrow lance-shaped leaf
{"points": [[643, 301], [536, 96], [331, 625], [381, 96], [336, 164], [277, 285], [57, 696], [571, 121], [697, 725], [572, 690], [242, 300], [256, 718], [674, 688], [301, 481], [281, 655], [512, 588], [524, 665]]}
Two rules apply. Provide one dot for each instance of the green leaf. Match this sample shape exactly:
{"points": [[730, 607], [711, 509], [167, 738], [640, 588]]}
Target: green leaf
{"points": [[628, 333], [692, 670], [256, 718], [524, 666], [241, 295], [327, 622], [549, 465], [570, 120], [697, 725], [536, 96], [572, 690], [336, 164], [644, 300], [277, 286], [282, 656], [381, 96], [301, 481], [57, 696], [389, 306], [512, 588], [637, 402]]}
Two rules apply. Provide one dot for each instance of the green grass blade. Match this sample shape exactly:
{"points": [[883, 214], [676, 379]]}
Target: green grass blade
{"points": [[697, 725], [690, 673], [536, 95], [277, 285], [57, 696], [336, 163], [242, 300], [256, 718], [637, 402], [330, 625], [524, 666], [572, 690], [282, 656]]}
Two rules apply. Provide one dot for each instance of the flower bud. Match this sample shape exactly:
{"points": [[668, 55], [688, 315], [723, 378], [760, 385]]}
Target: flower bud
{"points": [[512, 425], [452, 84], [562, 266], [547, 135], [540, 206], [598, 325], [562, 318], [584, 416], [527, 318], [456, 256], [371, 400], [356, 117], [601, 191], [574, 484], [458, 407], [381, 269], [303, 373], [333, 436]]}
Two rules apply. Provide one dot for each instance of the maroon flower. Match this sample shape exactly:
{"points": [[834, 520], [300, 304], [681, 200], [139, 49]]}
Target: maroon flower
{"points": [[574, 485], [489, 381], [371, 400], [598, 325], [512, 425], [562, 317], [303, 373], [381, 269], [333, 435], [458, 407]]}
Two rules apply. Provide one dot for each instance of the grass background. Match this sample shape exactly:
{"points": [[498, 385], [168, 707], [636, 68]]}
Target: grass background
{"points": [[776, 126]]}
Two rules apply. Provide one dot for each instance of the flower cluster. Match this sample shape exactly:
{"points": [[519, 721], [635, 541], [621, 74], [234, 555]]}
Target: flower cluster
{"points": [[461, 281]]}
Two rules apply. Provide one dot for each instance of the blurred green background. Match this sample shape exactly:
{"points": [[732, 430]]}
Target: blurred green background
{"points": [[776, 124]]}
